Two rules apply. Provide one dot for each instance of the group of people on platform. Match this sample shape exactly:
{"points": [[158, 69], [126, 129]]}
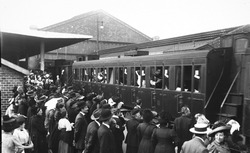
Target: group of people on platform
{"points": [[46, 117]]}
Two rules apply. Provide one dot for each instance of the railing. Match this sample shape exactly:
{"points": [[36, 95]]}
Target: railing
{"points": [[215, 87], [231, 86]]}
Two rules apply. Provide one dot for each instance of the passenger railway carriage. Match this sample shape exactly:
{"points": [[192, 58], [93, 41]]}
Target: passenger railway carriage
{"points": [[213, 79]]}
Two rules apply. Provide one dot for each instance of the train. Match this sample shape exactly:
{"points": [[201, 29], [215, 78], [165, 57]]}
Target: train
{"points": [[212, 79]]}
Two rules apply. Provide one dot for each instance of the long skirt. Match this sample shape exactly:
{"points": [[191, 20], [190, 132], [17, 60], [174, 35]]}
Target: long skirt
{"points": [[63, 147]]}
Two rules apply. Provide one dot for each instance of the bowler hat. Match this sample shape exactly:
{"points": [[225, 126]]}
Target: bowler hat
{"points": [[81, 104], [105, 115], [9, 124], [200, 128], [96, 114]]}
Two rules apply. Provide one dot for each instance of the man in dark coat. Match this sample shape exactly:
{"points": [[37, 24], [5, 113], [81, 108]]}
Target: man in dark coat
{"points": [[197, 144], [131, 138], [105, 136], [81, 125], [91, 140], [117, 129], [182, 125]]}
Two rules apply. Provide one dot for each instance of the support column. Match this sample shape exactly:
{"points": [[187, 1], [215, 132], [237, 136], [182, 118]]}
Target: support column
{"points": [[27, 61], [42, 48]]}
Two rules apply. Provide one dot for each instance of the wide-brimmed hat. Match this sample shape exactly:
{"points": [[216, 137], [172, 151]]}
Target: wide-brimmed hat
{"points": [[41, 99], [200, 129], [96, 114], [135, 111], [105, 114], [219, 129], [21, 119], [30, 93], [9, 124]]}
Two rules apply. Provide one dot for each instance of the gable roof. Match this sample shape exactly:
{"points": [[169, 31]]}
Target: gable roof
{"points": [[14, 67], [204, 36], [91, 13]]}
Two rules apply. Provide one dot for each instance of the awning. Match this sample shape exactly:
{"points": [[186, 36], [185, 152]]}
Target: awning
{"points": [[27, 43]]}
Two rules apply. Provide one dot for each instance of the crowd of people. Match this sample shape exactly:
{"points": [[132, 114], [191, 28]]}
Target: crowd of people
{"points": [[47, 116]]}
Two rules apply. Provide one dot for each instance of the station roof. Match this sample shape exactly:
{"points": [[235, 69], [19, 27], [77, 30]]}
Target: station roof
{"points": [[27, 43]]}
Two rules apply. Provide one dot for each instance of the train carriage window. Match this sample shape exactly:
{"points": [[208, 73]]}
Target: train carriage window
{"points": [[156, 77], [110, 76], [125, 74], [132, 76], [86, 74], [137, 77], [89, 74], [166, 77], [83, 74], [178, 78], [241, 45], [197, 78], [101, 75], [187, 78], [121, 76], [76, 76], [143, 77], [117, 80]]}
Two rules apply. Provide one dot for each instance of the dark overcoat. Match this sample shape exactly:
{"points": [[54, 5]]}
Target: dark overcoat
{"points": [[164, 140], [182, 125], [38, 134], [132, 138], [145, 131], [106, 140], [80, 130], [91, 140]]}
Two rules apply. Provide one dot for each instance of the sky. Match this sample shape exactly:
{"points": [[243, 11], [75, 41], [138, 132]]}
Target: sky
{"points": [[162, 18]]}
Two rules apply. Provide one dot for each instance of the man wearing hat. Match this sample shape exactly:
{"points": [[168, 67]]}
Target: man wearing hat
{"points": [[31, 102], [197, 144], [81, 125], [131, 138], [91, 140], [182, 125], [105, 136]]}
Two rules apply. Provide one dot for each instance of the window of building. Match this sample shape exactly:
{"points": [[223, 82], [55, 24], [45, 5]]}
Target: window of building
{"points": [[241, 45]]}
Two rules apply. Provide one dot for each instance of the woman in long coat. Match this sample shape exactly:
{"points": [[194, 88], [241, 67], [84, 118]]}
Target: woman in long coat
{"points": [[38, 131], [164, 138], [144, 131]]}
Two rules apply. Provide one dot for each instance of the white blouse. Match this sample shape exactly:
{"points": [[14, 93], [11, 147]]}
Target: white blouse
{"points": [[64, 123]]}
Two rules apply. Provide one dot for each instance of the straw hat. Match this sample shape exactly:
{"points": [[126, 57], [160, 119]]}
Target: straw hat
{"points": [[219, 129], [96, 114], [200, 128]]}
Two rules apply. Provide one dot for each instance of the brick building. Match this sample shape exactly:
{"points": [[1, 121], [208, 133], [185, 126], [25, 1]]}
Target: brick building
{"points": [[10, 75], [107, 31]]}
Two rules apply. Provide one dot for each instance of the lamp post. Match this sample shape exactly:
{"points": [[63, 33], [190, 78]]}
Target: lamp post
{"points": [[98, 32]]}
